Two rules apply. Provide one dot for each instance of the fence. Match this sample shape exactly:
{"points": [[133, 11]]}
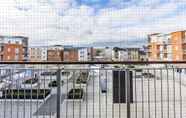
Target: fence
{"points": [[93, 91]]}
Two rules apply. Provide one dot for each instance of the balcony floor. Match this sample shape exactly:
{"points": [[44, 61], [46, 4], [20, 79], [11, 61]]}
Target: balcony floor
{"points": [[99, 105]]}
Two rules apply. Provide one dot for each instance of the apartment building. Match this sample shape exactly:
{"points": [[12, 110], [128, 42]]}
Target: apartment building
{"points": [[126, 54], [55, 53], [108, 53], [167, 47], [133, 54], [85, 54], [98, 54], [178, 41], [38, 53], [159, 47], [70, 54], [143, 53], [13, 48], [120, 54]]}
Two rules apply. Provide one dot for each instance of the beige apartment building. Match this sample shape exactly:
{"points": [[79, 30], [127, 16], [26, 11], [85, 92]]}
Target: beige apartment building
{"points": [[38, 53], [126, 54], [46, 53]]}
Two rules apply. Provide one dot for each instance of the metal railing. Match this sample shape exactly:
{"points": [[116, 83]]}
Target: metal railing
{"points": [[102, 90]]}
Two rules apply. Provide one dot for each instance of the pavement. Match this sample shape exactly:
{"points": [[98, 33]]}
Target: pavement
{"points": [[49, 106]]}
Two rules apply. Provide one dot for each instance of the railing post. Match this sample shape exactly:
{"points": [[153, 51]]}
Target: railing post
{"points": [[58, 77], [128, 94]]}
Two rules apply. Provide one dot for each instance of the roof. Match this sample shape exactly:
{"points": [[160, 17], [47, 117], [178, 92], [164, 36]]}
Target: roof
{"points": [[49, 46], [178, 31], [13, 37], [70, 49]]}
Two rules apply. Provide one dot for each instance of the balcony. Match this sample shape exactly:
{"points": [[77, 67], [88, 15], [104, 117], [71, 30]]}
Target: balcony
{"points": [[92, 90]]}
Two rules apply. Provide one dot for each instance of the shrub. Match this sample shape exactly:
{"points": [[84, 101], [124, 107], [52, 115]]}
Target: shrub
{"points": [[65, 73], [54, 83], [25, 93], [48, 73], [75, 94], [31, 81], [82, 78]]}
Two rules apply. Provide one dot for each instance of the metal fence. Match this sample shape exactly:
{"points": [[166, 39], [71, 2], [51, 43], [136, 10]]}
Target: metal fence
{"points": [[109, 91]]}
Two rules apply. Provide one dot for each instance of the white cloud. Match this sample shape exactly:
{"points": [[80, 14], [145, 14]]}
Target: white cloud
{"points": [[40, 20]]}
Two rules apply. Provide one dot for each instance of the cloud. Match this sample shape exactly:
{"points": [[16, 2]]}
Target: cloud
{"points": [[68, 22]]}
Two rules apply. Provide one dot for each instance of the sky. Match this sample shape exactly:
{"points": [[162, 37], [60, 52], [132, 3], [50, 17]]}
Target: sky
{"points": [[77, 22]]}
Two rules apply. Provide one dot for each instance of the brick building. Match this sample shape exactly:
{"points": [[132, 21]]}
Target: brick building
{"points": [[178, 42], [167, 47], [54, 55], [13, 48], [70, 54]]}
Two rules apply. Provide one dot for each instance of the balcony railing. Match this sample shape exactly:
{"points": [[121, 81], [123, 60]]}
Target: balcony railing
{"points": [[92, 90]]}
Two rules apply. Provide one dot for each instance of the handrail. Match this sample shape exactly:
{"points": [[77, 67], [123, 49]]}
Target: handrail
{"points": [[92, 62]]}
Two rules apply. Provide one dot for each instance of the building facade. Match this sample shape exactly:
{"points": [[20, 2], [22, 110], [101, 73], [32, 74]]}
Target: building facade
{"points": [[167, 47], [126, 54], [13, 48], [85, 54], [178, 42], [55, 53], [70, 54], [108, 53], [133, 54], [38, 53], [159, 47]]}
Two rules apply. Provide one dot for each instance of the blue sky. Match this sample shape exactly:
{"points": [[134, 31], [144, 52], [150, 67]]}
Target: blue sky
{"points": [[87, 21]]}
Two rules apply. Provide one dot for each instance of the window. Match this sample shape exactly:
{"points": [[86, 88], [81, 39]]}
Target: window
{"points": [[17, 42], [2, 48], [1, 57], [16, 50], [9, 49], [176, 47], [8, 57], [165, 55], [16, 57]]}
